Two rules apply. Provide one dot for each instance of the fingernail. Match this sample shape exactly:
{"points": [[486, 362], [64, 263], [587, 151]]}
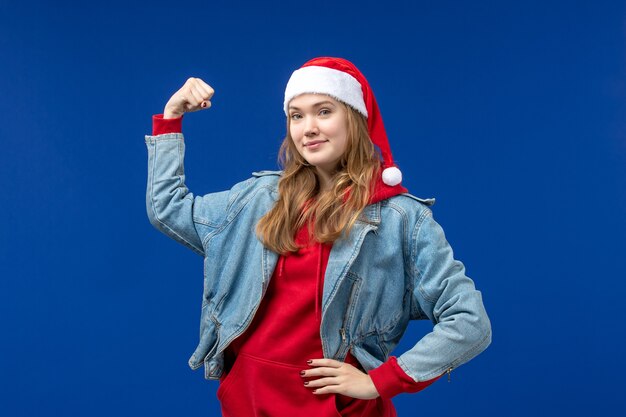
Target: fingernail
{"points": [[310, 361], [306, 382], [301, 372]]}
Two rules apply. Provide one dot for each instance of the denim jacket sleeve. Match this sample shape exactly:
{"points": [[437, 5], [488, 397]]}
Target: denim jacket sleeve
{"points": [[443, 293], [171, 208]]}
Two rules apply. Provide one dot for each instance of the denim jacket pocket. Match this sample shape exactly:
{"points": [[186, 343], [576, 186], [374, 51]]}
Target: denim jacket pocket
{"points": [[372, 345], [350, 291]]}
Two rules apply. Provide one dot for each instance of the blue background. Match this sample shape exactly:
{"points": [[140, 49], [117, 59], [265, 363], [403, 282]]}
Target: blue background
{"points": [[511, 114]]}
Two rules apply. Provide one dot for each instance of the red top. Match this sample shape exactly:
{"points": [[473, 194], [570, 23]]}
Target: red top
{"points": [[291, 331]]}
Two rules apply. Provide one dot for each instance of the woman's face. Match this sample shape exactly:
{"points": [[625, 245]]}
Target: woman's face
{"points": [[319, 128]]}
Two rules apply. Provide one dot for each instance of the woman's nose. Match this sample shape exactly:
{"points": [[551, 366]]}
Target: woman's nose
{"points": [[310, 128]]}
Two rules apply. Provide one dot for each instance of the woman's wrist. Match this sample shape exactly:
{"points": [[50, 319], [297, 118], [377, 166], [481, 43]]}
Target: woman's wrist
{"points": [[169, 114]]}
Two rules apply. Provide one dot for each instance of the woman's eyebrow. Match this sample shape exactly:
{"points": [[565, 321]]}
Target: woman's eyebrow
{"points": [[320, 103]]}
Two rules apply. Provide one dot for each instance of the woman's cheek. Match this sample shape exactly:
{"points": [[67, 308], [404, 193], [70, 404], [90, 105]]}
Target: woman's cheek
{"points": [[296, 135]]}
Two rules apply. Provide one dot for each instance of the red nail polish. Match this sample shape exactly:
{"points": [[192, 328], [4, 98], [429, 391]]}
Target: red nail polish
{"points": [[301, 372]]}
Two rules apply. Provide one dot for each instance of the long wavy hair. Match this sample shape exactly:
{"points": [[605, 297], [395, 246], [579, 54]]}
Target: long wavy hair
{"points": [[301, 200]]}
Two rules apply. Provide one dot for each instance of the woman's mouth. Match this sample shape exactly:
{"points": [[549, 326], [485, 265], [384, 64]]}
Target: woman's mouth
{"points": [[314, 144]]}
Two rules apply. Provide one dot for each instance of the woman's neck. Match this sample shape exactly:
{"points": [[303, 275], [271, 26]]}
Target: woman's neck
{"points": [[325, 180]]}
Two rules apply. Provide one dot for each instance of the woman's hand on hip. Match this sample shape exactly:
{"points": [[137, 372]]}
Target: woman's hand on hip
{"points": [[194, 95], [339, 378]]}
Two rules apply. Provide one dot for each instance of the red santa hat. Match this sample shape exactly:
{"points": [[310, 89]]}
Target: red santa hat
{"points": [[340, 79]]}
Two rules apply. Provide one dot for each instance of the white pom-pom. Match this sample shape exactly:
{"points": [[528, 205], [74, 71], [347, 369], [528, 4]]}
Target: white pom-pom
{"points": [[392, 176]]}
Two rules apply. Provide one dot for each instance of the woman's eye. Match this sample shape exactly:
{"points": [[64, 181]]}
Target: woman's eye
{"points": [[324, 112], [295, 116]]}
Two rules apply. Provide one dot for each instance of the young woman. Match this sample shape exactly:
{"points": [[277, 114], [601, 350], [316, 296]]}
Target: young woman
{"points": [[312, 273]]}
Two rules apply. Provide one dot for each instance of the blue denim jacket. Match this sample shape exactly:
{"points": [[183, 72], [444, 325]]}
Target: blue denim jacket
{"points": [[394, 266]]}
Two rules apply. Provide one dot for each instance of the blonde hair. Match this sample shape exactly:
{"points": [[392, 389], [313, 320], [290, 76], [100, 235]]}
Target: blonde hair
{"points": [[301, 202]]}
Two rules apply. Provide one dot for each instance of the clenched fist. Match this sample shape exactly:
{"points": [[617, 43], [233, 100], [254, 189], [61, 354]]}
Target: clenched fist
{"points": [[194, 95]]}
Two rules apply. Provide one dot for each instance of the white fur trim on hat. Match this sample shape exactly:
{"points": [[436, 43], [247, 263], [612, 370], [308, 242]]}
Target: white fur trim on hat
{"points": [[323, 80], [392, 176]]}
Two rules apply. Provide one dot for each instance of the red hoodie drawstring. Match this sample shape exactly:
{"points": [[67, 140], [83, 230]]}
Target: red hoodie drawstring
{"points": [[281, 263], [318, 279]]}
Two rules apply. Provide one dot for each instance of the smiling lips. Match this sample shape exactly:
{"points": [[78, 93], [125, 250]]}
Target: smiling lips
{"points": [[314, 142]]}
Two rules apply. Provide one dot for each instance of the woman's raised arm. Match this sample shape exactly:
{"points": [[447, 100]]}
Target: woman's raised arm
{"points": [[170, 206]]}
